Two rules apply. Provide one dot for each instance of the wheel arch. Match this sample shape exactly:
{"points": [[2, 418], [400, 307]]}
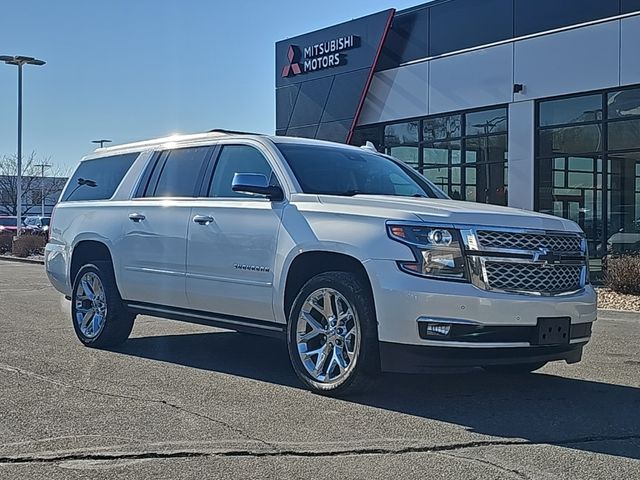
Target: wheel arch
{"points": [[88, 251], [306, 265]]}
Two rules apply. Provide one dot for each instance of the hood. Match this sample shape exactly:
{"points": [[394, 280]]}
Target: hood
{"points": [[449, 211]]}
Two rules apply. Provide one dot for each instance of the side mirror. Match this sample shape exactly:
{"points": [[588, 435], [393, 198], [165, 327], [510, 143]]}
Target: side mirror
{"points": [[256, 183]]}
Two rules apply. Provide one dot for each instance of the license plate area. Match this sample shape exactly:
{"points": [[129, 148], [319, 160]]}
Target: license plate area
{"points": [[553, 331]]}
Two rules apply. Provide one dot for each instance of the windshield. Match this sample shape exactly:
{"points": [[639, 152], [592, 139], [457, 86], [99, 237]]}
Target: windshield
{"points": [[330, 170], [31, 221], [8, 221]]}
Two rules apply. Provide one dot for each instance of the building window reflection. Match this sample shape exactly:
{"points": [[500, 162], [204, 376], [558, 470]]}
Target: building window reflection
{"points": [[588, 168], [464, 153]]}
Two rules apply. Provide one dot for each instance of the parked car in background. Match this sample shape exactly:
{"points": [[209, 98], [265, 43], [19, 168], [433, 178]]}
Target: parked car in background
{"points": [[37, 225], [8, 225]]}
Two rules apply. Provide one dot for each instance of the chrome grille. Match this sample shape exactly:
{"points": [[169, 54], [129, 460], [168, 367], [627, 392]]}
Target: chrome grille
{"points": [[525, 277], [556, 243], [527, 262]]}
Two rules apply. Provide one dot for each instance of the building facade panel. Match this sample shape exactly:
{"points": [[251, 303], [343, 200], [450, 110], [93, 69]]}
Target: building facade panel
{"points": [[467, 23], [629, 6], [407, 40], [471, 80], [521, 154], [629, 44], [575, 60], [397, 94], [542, 15]]}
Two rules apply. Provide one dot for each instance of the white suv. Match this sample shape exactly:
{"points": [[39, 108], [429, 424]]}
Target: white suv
{"points": [[361, 263]]}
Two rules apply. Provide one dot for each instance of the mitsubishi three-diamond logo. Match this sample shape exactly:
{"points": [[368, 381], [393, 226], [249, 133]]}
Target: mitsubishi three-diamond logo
{"points": [[293, 67]]}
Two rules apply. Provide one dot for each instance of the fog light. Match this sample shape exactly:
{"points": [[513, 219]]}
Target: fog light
{"points": [[438, 329]]}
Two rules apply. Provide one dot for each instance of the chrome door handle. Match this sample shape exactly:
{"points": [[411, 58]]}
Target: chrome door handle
{"points": [[203, 219], [136, 217]]}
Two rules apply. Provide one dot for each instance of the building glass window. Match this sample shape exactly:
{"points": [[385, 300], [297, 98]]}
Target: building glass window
{"points": [[464, 153], [401, 141], [588, 168], [485, 146], [442, 128], [585, 108]]}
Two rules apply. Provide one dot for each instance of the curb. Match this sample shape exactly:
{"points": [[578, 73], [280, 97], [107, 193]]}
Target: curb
{"points": [[21, 260]]}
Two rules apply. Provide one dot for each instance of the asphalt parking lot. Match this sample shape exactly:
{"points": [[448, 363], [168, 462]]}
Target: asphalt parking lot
{"points": [[185, 401]]}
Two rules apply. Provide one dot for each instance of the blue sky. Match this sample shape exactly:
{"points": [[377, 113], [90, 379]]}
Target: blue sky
{"points": [[134, 69]]}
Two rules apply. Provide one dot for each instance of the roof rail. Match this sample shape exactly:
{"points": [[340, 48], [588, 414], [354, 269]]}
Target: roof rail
{"points": [[232, 132]]}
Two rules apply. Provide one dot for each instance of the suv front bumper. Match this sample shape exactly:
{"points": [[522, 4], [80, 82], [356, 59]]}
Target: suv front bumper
{"points": [[506, 322], [399, 358]]}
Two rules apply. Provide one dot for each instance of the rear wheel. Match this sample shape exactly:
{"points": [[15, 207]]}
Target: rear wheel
{"points": [[332, 335], [516, 368], [98, 313]]}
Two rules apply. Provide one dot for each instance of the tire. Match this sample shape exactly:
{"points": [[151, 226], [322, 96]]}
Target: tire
{"points": [[351, 360], [515, 369], [113, 326]]}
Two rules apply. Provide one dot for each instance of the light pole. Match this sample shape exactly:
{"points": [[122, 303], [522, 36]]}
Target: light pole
{"points": [[101, 142], [42, 166], [19, 61]]}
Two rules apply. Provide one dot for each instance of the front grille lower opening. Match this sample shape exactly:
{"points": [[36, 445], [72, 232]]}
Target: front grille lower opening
{"points": [[533, 278]]}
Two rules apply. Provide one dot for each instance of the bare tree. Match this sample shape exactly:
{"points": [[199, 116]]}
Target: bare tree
{"points": [[33, 188]]}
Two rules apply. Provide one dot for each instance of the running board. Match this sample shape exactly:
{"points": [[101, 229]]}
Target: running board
{"points": [[239, 324]]}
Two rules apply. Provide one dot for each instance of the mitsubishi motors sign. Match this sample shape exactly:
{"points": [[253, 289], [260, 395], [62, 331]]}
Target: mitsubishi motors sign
{"points": [[319, 56], [322, 77]]}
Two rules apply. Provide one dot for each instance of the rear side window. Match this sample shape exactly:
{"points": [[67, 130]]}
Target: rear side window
{"points": [[237, 159], [106, 172], [178, 173]]}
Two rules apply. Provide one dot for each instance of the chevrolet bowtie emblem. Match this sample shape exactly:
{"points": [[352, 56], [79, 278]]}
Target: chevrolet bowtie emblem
{"points": [[547, 257]]}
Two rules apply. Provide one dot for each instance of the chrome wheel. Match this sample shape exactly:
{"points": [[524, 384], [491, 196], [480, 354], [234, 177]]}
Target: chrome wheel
{"points": [[90, 305], [327, 335]]}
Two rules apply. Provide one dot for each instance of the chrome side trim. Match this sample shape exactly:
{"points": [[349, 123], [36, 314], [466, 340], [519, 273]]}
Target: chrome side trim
{"points": [[240, 281], [156, 271]]}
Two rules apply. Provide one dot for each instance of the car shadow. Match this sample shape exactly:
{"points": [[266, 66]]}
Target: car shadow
{"points": [[539, 408]]}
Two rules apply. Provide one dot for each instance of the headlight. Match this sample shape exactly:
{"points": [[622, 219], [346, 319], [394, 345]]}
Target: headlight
{"points": [[437, 251]]}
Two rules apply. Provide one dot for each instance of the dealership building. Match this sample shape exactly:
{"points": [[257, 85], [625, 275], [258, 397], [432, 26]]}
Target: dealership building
{"points": [[528, 103]]}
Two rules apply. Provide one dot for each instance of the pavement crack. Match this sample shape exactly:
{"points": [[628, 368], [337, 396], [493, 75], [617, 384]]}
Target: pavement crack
{"points": [[274, 452], [175, 406]]}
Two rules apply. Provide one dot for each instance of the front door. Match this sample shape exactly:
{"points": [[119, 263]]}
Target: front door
{"points": [[232, 241]]}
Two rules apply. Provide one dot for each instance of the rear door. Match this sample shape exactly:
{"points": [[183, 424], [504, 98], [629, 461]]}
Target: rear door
{"points": [[153, 247], [231, 253]]}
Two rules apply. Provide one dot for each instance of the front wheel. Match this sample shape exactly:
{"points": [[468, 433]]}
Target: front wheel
{"points": [[99, 316], [332, 335], [515, 369]]}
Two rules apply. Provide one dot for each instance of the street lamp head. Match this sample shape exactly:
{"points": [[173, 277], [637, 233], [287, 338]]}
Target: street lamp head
{"points": [[21, 60]]}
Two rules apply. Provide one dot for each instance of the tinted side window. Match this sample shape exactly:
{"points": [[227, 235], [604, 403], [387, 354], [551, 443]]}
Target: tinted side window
{"points": [[106, 172], [237, 159], [181, 172]]}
